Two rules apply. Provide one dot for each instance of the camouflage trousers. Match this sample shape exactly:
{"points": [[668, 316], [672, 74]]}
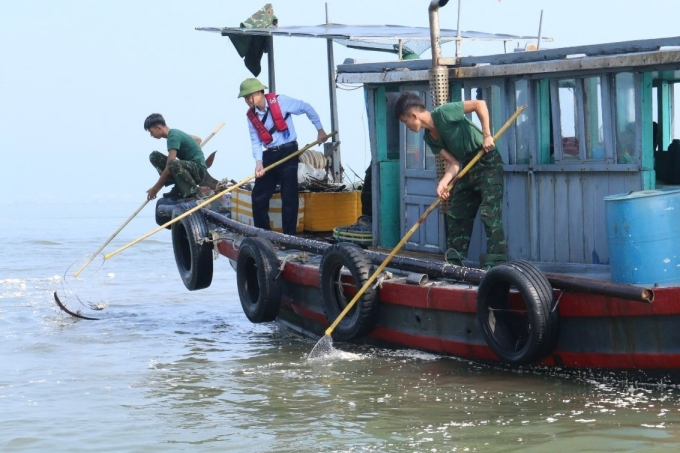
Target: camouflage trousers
{"points": [[480, 189], [186, 175]]}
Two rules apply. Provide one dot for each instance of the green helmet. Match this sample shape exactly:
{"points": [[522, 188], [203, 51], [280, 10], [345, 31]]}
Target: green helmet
{"points": [[250, 86]]}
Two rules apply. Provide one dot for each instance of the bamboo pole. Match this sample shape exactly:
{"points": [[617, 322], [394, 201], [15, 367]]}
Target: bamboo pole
{"points": [[413, 229], [213, 198], [77, 273]]}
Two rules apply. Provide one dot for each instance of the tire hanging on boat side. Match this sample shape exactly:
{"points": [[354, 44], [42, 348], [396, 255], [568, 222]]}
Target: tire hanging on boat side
{"points": [[515, 334], [193, 256], [363, 317], [259, 289]]}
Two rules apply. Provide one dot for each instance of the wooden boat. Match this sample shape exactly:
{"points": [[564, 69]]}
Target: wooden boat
{"points": [[590, 217]]}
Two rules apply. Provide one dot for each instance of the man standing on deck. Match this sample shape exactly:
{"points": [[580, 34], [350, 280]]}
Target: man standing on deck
{"points": [[271, 128], [457, 139], [184, 166]]}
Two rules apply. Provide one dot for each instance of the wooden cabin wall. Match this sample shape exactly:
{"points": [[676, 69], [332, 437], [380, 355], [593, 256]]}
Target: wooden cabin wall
{"points": [[554, 208], [562, 218]]}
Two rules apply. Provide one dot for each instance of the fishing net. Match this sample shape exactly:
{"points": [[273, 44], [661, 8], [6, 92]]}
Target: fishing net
{"points": [[323, 348], [88, 289]]}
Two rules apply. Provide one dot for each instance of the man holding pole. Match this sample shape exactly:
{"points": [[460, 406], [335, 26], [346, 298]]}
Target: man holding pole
{"points": [[273, 138], [457, 140], [184, 166]]}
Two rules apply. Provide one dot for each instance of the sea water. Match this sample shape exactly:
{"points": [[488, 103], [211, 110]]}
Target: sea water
{"points": [[166, 369]]}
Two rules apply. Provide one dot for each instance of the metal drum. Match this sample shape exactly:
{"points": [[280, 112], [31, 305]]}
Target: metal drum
{"points": [[643, 235]]}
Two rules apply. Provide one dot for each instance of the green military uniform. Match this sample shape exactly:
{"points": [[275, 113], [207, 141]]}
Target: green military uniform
{"points": [[481, 188], [188, 169]]}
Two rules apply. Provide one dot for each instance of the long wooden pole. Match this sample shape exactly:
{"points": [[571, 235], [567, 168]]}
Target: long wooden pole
{"points": [[77, 273], [420, 221], [213, 198], [212, 134]]}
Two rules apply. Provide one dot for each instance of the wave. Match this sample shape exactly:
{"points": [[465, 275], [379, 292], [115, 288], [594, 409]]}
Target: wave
{"points": [[41, 242]]}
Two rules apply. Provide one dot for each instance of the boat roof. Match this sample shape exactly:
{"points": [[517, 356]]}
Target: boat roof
{"points": [[657, 54], [378, 36]]}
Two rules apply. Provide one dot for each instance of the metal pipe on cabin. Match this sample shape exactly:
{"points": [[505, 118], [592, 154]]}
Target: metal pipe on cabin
{"points": [[439, 75], [435, 269], [435, 35], [270, 66], [458, 42], [332, 92], [540, 29], [439, 82]]}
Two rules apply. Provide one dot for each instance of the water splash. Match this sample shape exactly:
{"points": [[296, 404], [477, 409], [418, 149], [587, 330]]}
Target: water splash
{"points": [[324, 351]]}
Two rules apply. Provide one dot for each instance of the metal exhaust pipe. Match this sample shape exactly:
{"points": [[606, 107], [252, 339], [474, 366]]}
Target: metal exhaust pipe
{"points": [[439, 75], [439, 81], [434, 29]]}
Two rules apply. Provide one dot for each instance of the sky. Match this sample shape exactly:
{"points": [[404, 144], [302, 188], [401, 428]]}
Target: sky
{"points": [[78, 78]]}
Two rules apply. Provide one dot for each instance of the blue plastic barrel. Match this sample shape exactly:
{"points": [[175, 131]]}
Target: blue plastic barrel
{"points": [[643, 235]]}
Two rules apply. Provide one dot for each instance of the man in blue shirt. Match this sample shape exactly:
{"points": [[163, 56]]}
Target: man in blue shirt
{"points": [[273, 138]]}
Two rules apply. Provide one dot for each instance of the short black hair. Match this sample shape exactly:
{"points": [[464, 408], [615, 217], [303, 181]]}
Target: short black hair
{"points": [[407, 102], [155, 119]]}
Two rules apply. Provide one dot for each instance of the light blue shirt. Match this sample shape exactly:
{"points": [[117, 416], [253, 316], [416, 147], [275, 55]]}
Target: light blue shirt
{"points": [[288, 105]]}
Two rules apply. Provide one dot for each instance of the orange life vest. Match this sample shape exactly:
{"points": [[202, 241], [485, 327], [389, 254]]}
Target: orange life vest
{"points": [[280, 124]]}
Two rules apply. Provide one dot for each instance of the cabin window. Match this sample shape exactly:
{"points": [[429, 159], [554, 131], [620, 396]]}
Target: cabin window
{"points": [[491, 94], [594, 127], [523, 132], [392, 126], [578, 131], [566, 95], [418, 154], [626, 150]]}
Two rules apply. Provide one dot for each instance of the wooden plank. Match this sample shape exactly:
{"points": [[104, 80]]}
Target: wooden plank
{"points": [[593, 254], [375, 170], [645, 124], [390, 197], [665, 114], [577, 65], [591, 50], [456, 92], [514, 58], [516, 216], [574, 207], [546, 216], [563, 217], [544, 124]]}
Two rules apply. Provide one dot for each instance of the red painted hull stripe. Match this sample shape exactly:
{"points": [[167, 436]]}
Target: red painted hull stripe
{"points": [[462, 298]]}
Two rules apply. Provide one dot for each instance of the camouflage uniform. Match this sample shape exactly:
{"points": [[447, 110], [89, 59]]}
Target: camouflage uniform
{"points": [[263, 18], [251, 48], [481, 188], [186, 174]]}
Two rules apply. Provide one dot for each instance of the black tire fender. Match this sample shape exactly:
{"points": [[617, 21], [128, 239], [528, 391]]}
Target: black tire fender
{"points": [[259, 288], [163, 213], [363, 317], [516, 336], [193, 255]]}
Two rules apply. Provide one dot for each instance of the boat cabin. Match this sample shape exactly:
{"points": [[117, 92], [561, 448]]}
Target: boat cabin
{"points": [[599, 120]]}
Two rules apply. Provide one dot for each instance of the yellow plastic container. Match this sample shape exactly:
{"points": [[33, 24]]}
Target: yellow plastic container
{"points": [[327, 210], [242, 210]]}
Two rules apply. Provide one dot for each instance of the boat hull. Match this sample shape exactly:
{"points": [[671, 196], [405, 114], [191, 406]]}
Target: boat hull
{"points": [[440, 317]]}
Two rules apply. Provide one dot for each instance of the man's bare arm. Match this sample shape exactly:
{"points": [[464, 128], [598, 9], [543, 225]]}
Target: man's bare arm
{"points": [[480, 108]]}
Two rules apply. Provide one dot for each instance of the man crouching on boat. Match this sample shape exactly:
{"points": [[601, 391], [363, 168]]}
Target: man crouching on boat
{"points": [[184, 166], [271, 128], [457, 139]]}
